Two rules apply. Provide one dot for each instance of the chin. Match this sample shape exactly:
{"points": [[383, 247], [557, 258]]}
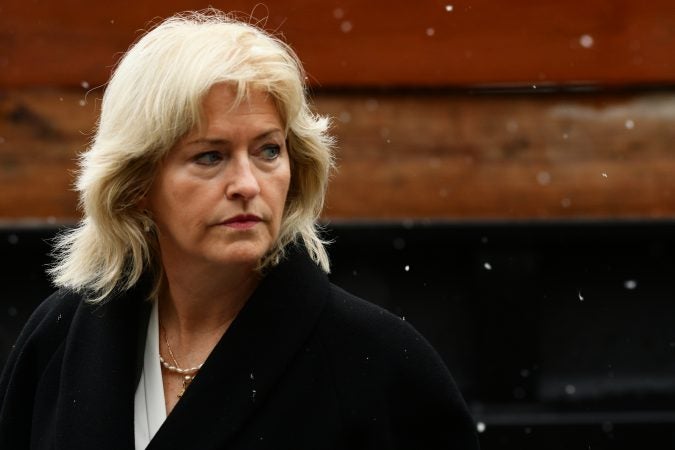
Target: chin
{"points": [[245, 253]]}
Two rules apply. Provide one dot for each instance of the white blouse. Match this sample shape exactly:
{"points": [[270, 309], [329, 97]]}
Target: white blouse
{"points": [[149, 407]]}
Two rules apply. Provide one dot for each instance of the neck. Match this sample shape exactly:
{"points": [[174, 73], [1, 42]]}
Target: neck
{"points": [[197, 305]]}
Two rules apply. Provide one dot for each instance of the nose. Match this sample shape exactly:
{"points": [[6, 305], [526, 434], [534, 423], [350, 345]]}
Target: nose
{"points": [[241, 179]]}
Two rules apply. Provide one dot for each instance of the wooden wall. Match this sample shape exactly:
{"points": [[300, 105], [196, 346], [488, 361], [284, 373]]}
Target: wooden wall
{"points": [[466, 110]]}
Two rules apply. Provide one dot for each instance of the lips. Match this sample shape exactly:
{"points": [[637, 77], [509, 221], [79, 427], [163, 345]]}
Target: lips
{"points": [[242, 221]]}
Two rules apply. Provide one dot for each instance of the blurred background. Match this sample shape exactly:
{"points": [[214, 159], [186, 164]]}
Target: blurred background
{"points": [[506, 183]]}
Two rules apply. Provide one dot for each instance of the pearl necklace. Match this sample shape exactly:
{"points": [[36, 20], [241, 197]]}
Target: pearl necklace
{"points": [[189, 373]]}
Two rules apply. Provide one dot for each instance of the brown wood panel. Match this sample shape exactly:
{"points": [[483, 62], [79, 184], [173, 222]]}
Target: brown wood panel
{"points": [[410, 156], [453, 156], [374, 43]]}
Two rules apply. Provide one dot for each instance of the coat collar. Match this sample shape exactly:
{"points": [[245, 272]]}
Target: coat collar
{"points": [[100, 364]]}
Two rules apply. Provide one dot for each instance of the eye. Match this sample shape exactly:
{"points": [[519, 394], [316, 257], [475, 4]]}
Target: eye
{"points": [[270, 152], [208, 158]]}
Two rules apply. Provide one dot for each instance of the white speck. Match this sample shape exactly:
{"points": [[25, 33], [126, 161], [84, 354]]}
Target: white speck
{"points": [[581, 297], [570, 389], [399, 243], [407, 268], [346, 26], [586, 41], [60, 99], [629, 124], [565, 136], [85, 85], [338, 13], [13, 239], [534, 86], [480, 427], [403, 318], [388, 141], [604, 174], [565, 202], [260, 438], [345, 117], [58, 318], [630, 284], [367, 358], [449, 8], [430, 31], [12, 311], [544, 178], [252, 377], [112, 21], [253, 392], [487, 266], [82, 102]]}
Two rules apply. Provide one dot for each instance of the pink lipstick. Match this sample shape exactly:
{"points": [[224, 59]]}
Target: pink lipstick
{"points": [[242, 222]]}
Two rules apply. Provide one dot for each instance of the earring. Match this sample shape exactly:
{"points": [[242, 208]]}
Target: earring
{"points": [[147, 221]]}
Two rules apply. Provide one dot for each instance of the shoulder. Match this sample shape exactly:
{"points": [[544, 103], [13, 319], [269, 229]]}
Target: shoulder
{"points": [[348, 318], [355, 332], [384, 368], [54, 313], [46, 328]]}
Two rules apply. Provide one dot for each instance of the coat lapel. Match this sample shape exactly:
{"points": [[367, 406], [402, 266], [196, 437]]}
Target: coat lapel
{"points": [[99, 375], [250, 358]]}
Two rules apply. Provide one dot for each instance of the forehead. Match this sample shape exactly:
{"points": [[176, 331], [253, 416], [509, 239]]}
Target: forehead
{"points": [[221, 106]]}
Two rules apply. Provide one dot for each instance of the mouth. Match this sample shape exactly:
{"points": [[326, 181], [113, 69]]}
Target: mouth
{"points": [[242, 221]]}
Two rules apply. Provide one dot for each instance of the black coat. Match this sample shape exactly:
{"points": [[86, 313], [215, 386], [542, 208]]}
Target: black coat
{"points": [[305, 365]]}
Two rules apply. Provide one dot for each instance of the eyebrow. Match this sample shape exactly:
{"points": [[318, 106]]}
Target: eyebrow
{"points": [[208, 141]]}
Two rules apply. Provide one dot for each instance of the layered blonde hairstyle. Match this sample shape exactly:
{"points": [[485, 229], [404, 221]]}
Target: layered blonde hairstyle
{"points": [[154, 98]]}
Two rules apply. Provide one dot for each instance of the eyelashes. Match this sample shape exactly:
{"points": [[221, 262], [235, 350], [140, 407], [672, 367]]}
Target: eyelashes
{"points": [[268, 152]]}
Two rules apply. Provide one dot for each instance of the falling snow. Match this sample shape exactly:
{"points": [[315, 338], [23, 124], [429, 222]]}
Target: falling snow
{"points": [[487, 266], [346, 26], [630, 284], [407, 268], [629, 124], [480, 427], [581, 297], [586, 41], [399, 243], [430, 31], [85, 85], [544, 178], [449, 8], [570, 389]]}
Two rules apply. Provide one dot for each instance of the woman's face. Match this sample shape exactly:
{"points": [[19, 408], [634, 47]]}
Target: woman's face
{"points": [[219, 195]]}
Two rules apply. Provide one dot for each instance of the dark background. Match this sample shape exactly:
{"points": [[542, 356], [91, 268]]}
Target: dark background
{"points": [[560, 335]]}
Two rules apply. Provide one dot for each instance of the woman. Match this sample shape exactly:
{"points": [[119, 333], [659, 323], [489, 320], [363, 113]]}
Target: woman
{"points": [[194, 311]]}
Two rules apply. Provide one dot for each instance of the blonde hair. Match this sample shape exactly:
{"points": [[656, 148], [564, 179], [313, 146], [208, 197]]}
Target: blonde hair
{"points": [[153, 98]]}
